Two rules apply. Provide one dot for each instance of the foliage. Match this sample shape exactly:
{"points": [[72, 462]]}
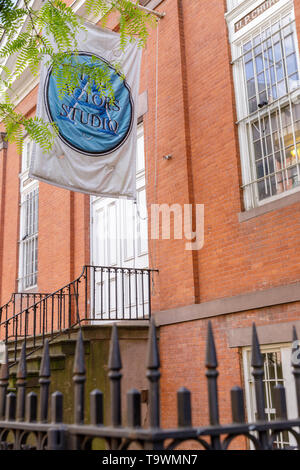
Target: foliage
{"points": [[26, 27]]}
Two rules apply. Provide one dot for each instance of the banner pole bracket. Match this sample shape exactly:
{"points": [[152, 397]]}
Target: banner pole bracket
{"points": [[151, 12]]}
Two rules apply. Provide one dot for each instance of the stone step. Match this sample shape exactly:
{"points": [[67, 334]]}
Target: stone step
{"points": [[33, 363]]}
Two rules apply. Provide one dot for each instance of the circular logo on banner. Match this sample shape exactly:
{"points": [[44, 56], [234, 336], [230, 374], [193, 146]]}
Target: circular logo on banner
{"points": [[87, 121]]}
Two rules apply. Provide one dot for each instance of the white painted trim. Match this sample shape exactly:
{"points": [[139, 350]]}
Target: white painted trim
{"points": [[282, 8], [289, 384]]}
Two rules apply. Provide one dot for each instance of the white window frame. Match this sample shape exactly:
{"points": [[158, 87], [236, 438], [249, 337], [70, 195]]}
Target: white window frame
{"points": [[140, 218], [27, 186], [288, 381], [282, 8]]}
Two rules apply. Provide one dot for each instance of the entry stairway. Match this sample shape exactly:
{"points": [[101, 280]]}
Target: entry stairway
{"points": [[100, 294]]}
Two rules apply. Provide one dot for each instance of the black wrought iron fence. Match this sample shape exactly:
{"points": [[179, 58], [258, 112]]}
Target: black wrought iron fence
{"points": [[25, 421], [100, 293]]}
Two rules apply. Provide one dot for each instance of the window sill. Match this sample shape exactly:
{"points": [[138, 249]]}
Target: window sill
{"points": [[270, 207]]}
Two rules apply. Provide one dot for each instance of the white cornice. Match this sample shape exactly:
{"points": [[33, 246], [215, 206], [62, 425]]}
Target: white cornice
{"points": [[244, 7], [239, 9]]}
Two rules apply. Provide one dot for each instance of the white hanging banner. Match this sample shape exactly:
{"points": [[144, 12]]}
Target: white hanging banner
{"points": [[95, 151]]}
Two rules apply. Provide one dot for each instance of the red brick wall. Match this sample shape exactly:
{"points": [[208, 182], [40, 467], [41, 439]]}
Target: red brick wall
{"points": [[63, 242], [182, 349], [195, 123], [237, 257]]}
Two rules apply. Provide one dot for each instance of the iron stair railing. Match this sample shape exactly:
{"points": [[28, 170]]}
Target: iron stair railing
{"points": [[98, 294], [18, 301]]}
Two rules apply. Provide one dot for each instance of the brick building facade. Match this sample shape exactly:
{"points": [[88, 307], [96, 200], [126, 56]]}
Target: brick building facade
{"points": [[228, 111]]}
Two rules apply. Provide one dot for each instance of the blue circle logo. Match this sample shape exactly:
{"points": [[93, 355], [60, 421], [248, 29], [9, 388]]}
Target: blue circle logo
{"points": [[87, 121]]}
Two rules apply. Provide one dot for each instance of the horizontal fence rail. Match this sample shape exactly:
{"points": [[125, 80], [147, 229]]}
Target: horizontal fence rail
{"points": [[100, 293], [27, 423]]}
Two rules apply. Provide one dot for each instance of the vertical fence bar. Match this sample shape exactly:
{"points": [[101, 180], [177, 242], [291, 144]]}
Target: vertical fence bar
{"points": [[123, 296], [14, 312], [76, 294], [184, 408], [79, 379], [129, 291], [10, 413], [44, 318], [96, 408], [143, 296], [237, 405], [296, 367], [86, 269], [46, 313], [149, 292], [101, 293], [153, 375], [64, 309], [34, 324], [31, 407], [212, 373], [133, 409], [44, 381], [56, 407], [136, 296], [52, 314], [115, 376], [258, 374], [116, 292], [70, 305], [26, 326], [4, 377], [21, 384], [108, 286], [94, 293], [6, 331]]}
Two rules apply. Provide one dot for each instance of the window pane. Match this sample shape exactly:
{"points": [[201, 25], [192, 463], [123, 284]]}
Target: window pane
{"points": [[249, 70], [291, 62], [251, 88], [271, 72], [289, 44], [29, 239]]}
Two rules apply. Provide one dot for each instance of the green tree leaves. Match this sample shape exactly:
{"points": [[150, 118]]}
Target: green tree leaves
{"points": [[24, 35]]}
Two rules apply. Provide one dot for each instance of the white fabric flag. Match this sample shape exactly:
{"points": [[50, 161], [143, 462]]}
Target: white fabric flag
{"points": [[95, 151]]}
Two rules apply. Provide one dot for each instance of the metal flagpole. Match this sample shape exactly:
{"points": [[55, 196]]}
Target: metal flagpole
{"points": [[151, 12]]}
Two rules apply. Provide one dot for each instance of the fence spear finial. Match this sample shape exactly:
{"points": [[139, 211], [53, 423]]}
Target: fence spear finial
{"points": [[22, 369], [211, 354], [256, 358], [21, 383], [45, 362], [44, 381], [115, 362], [153, 361], [257, 363], [79, 363]]}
